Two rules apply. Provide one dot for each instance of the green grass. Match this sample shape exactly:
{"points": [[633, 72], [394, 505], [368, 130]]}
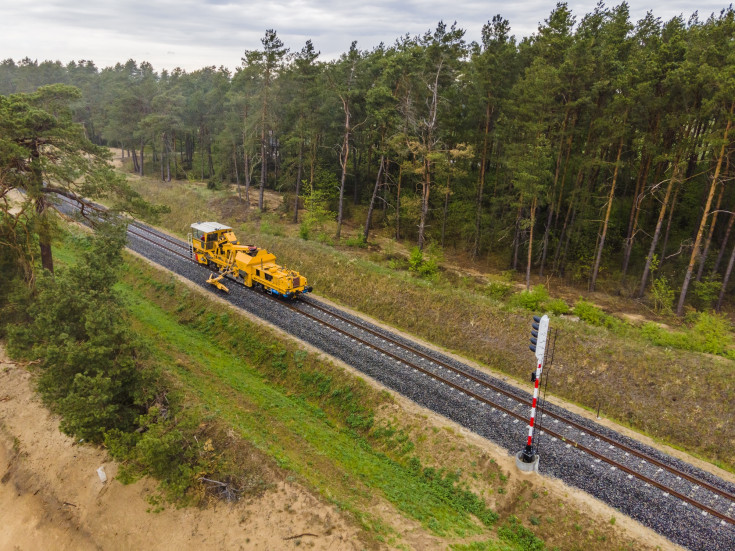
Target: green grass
{"points": [[602, 350], [322, 424], [299, 435]]}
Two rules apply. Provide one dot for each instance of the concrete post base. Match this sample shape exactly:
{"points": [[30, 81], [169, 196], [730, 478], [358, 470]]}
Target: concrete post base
{"points": [[527, 467]]}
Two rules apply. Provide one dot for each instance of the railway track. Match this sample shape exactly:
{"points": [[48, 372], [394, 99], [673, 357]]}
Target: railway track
{"points": [[671, 477]]}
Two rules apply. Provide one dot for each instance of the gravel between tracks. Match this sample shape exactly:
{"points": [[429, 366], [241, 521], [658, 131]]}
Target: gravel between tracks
{"points": [[665, 514]]}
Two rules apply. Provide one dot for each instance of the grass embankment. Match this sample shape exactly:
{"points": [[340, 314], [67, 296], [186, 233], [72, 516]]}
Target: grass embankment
{"points": [[673, 395], [335, 433]]}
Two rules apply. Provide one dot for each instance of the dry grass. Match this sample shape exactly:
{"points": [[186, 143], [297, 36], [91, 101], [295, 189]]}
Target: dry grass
{"points": [[674, 396], [400, 432]]}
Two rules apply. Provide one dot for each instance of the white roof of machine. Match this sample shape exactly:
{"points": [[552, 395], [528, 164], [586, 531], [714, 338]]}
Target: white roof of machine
{"points": [[208, 227]]}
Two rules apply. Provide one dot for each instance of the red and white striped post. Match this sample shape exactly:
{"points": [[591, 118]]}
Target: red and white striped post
{"points": [[538, 345]]}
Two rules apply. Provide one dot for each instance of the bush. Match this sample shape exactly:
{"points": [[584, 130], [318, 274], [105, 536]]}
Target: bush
{"points": [[662, 295], [556, 306], [531, 300], [357, 241], [705, 292], [711, 333], [498, 290], [91, 370], [586, 311], [304, 231], [427, 268], [514, 532], [270, 226]]}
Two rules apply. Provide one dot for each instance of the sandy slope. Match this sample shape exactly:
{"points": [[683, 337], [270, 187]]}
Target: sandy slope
{"points": [[52, 498]]}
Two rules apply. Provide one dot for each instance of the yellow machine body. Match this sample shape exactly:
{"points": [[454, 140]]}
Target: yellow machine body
{"points": [[216, 246]]}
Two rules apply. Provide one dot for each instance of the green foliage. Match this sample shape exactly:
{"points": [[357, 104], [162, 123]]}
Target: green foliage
{"points": [[662, 295], [586, 311], [356, 241], [421, 265], [498, 290], [557, 306], [446, 484], [514, 532], [271, 225], [304, 231], [91, 371], [710, 333], [531, 300], [319, 200], [706, 292]]}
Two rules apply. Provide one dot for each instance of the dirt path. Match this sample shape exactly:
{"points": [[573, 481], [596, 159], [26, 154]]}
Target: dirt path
{"points": [[51, 497]]}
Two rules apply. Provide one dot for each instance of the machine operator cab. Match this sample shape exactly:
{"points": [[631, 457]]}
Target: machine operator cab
{"points": [[210, 235]]}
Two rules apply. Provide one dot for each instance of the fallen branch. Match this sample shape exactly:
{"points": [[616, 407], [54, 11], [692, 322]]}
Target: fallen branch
{"points": [[301, 536]]}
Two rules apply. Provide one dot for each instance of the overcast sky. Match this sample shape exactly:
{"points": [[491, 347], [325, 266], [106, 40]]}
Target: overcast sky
{"points": [[192, 34]]}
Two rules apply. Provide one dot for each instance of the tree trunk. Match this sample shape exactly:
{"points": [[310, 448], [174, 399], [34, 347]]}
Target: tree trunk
{"points": [[635, 210], [550, 214], [343, 159], [611, 198], [481, 183], [44, 235], [247, 175], [725, 280], [517, 235], [366, 233], [398, 203], [446, 209], [711, 231], [263, 167], [676, 174], [142, 149], [725, 240], [697, 241], [672, 209], [566, 225], [299, 171], [237, 172], [425, 190], [356, 177], [530, 243]]}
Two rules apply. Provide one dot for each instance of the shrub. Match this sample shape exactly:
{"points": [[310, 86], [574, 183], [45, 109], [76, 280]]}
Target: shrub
{"points": [[357, 241], [514, 532], [415, 260], [662, 295], [270, 226], [91, 370], [586, 311], [531, 300], [556, 306], [705, 292], [711, 333], [498, 290], [304, 231], [427, 268]]}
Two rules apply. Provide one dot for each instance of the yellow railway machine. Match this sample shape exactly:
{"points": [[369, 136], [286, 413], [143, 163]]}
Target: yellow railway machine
{"points": [[215, 245]]}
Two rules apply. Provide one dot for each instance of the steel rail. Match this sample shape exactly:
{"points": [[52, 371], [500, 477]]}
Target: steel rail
{"points": [[570, 422], [487, 401]]}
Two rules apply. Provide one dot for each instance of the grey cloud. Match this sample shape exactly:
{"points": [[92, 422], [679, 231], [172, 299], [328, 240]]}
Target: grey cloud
{"points": [[217, 32]]}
